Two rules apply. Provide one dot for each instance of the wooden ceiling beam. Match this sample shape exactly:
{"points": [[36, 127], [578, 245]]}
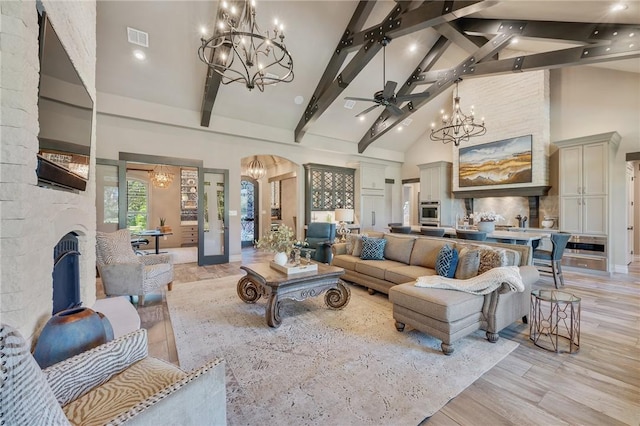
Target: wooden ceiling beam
{"points": [[576, 32], [468, 43], [445, 81], [213, 79], [328, 88]]}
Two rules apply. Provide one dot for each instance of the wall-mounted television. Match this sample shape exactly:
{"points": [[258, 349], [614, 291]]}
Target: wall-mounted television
{"points": [[65, 113]]}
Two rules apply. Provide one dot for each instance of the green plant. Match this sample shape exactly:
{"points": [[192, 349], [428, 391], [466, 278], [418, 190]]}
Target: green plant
{"points": [[281, 239], [163, 220]]}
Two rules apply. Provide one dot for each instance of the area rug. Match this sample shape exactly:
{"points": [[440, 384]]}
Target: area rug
{"points": [[322, 366]]}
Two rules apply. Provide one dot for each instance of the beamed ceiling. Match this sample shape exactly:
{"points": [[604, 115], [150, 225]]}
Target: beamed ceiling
{"points": [[337, 51]]}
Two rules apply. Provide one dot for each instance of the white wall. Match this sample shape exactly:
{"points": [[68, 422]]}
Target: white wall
{"points": [[217, 150], [587, 101], [33, 219]]}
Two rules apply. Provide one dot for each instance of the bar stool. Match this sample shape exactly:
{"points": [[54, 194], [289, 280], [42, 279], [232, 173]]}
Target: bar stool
{"points": [[549, 261], [401, 229], [432, 232]]}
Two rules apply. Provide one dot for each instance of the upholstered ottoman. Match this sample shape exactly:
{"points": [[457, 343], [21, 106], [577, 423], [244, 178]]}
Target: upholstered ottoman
{"points": [[445, 314]]}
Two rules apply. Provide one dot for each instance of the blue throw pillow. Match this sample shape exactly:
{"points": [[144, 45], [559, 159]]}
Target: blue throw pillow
{"points": [[372, 248], [447, 261]]}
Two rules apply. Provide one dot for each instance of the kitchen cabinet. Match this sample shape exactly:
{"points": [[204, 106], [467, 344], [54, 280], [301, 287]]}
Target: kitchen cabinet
{"points": [[583, 180], [435, 186], [371, 176], [372, 217], [328, 188]]}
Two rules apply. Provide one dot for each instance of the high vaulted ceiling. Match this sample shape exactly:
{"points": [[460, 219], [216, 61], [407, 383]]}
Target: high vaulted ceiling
{"points": [[173, 75]]}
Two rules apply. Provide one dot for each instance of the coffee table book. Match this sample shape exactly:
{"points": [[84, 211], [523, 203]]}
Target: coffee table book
{"points": [[290, 269]]}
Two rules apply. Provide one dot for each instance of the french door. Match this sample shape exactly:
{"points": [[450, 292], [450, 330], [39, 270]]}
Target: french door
{"points": [[249, 217], [213, 217]]}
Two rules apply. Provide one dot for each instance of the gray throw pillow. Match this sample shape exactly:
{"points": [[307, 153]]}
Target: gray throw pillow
{"points": [[468, 263]]}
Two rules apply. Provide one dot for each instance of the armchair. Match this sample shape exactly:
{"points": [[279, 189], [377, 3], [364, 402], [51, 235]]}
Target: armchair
{"points": [[319, 236], [111, 384], [123, 273]]}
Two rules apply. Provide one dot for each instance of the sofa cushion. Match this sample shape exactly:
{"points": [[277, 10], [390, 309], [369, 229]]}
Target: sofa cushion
{"points": [[468, 263], [345, 261], [513, 257], [443, 305], [406, 273], [425, 252], [491, 258], [373, 248], [398, 248], [447, 261], [141, 380], [354, 241], [376, 268]]}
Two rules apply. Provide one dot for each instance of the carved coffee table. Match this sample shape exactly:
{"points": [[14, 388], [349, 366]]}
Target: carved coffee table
{"points": [[262, 280]]}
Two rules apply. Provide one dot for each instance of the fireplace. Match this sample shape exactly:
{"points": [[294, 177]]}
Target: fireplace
{"points": [[66, 273]]}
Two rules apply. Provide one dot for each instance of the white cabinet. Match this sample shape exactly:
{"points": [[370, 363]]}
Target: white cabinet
{"points": [[371, 176], [584, 184], [373, 213], [435, 181]]}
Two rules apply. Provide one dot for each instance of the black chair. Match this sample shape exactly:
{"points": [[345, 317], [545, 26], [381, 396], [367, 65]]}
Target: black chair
{"points": [[432, 232], [136, 243], [401, 229], [549, 261], [471, 235]]}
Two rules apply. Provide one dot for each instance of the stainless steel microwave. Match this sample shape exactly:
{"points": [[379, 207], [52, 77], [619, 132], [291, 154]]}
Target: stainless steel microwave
{"points": [[430, 213]]}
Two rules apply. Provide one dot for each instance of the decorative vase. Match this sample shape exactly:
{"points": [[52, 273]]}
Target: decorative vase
{"points": [[487, 227], [280, 258], [69, 333]]}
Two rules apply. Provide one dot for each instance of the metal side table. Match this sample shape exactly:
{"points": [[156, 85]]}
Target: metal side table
{"points": [[555, 314]]}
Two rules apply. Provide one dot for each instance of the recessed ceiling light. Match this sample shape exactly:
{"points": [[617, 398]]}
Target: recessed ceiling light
{"points": [[618, 7], [514, 41], [361, 118], [298, 100], [139, 55], [399, 128], [413, 47], [203, 30]]}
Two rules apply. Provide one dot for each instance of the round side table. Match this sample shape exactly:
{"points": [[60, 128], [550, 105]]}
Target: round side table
{"points": [[555, 314]]}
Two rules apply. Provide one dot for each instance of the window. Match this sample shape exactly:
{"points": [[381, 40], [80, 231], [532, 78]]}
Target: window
{"points": [[137, 205]]}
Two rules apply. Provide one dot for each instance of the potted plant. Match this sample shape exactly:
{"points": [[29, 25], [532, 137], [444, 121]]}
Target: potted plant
{"points": [[487, 221], [162, 227], [281, 241]]}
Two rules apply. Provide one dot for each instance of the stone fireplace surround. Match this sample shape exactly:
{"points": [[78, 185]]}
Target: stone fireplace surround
{"points": [[34, 219]]}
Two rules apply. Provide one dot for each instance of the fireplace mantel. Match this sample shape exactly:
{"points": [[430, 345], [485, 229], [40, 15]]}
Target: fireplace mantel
{"points": [[528, 191]]}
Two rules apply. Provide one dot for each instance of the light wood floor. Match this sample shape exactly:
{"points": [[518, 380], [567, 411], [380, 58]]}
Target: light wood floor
{"points": [[599, 385]]}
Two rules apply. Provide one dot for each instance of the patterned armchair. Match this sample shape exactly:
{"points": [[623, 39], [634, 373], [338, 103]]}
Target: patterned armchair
{"points": [[111, 384], [124, 273]]}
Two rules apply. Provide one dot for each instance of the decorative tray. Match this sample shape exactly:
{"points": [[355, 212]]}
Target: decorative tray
{"points": [[290, 268]]}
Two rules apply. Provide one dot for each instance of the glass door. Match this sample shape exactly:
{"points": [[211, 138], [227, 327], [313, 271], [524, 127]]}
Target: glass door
{"points": [[110, 214], [249, 211], [213, 217]]}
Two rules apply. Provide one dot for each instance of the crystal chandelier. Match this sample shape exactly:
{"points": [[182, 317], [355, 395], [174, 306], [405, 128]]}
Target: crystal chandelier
{"points": [[161, 177], [240, 52], [459, 127], [255, 169]]}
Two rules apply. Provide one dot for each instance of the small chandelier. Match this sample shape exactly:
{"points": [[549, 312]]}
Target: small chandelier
{"points": [[239, 52], [459, 127], [255, 169], [161, 177]]}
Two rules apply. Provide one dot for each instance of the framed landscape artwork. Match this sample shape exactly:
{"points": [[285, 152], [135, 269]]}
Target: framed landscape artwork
{"points": [[496, 163]]}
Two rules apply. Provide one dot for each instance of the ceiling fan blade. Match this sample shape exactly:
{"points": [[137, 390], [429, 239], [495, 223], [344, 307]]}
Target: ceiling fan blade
{"points": [[350, 98], [394, 109], [413, 96], [389, 89], [367, 110]]}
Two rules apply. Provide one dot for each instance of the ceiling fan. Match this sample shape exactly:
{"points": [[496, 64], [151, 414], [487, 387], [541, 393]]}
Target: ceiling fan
{"points": [[386, 97]]}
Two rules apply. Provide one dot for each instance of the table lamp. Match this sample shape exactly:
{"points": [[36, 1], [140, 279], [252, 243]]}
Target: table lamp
{"points": [[342, 217]]}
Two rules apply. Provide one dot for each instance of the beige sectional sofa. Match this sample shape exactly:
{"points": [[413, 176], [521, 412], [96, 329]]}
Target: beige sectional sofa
{"points": [[445, 314]]}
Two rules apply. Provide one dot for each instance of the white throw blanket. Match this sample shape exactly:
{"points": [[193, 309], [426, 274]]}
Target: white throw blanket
{"points": [[480, 284]]}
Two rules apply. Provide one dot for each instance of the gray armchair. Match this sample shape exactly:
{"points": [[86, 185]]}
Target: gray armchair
{"points": [[125, 274], [320, 235], [112, 384]]}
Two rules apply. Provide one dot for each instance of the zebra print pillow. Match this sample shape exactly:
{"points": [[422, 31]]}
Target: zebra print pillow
{"points": [[25, 397], [115, 247], [78, 375]]}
